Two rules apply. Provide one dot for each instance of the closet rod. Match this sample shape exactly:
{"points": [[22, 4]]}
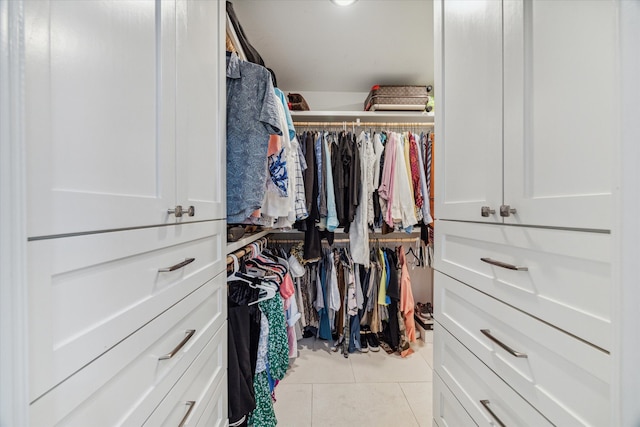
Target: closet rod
{"points": [[245, 250], [400, 239], [361, 124]]}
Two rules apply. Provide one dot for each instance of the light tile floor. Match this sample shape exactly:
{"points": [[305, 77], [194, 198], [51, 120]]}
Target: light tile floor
{"points": [[323, 388]]}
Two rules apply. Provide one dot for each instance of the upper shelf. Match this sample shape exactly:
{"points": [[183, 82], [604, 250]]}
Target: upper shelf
{"points": [[247, 239], [363, 116]]}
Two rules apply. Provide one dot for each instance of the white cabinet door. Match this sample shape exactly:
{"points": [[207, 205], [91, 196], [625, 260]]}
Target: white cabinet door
{"points": [[125, 113], [469, 120], [200, 109], [100, 83], [560, 113]]}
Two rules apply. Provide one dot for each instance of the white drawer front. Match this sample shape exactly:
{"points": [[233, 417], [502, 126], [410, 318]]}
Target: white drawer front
{"points": [[215, 412], [87, 293], [124, 386], [447, 411], [190, 398], [564, 378], [567, 284], [473, 383]]}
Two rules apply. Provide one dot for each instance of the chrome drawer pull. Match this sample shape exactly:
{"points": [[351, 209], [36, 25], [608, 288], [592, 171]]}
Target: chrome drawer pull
{"points": [[191, 404], [504, 264], [177, 266], [190, 333], [486, 403], [511, 351]]}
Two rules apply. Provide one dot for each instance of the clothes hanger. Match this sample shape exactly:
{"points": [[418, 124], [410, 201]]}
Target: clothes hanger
{"points": [[275, 268], [270, 291], [415, 261]]}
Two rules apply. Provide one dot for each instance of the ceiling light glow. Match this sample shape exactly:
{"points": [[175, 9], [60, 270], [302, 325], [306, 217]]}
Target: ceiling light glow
{"points": [[343, 2]]}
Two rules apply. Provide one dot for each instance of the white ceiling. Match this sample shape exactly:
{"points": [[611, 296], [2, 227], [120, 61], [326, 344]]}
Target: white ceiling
{"points": [[314, 45]]}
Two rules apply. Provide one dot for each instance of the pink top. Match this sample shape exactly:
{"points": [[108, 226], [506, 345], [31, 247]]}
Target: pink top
{"points": [[388, 171]]}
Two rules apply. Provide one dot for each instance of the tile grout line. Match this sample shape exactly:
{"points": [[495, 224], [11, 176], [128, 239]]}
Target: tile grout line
{"points": [[415, 417], [313, 386]]}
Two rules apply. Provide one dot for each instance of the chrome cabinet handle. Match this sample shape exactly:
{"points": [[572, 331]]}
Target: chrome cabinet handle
{"points": [[511, 351], [173, 352], [506, 210], [486, 403], [177, 211], [504, 264], [486, 211], [191, 404], [177, 266]]}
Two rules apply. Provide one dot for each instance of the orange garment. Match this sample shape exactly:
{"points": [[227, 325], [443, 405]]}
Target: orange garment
{"points": [[406, 298], [275, 145]]}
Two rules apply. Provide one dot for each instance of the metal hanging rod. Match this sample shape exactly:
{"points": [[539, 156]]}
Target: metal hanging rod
{"points": [[362, 124], [246, 250], [399, 239]]}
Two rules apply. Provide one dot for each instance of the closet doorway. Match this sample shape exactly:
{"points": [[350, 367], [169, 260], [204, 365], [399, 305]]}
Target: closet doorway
{"points": [[333, 55]]}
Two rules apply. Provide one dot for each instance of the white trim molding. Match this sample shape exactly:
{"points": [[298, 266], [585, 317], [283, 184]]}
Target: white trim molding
{"points": [[14, 401], [626, 303]]}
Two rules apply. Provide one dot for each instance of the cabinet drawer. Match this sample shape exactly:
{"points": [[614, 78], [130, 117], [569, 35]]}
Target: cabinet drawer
{"points": [[564, 378], [216, 410], [125, 385], [567, 284], [447, 411], [87, 293], [480, 391], [191, 397]]}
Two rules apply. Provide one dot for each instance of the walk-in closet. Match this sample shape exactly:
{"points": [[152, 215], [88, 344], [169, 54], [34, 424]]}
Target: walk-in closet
{"points": [[318, 213], [360, 328]]}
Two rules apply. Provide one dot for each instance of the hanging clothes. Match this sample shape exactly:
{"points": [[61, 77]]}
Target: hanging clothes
{"points": [[407, 302], [359, 231], [243, 337], [392, 329], [332, 216], [403, 206], [426, 209], [252, 116]]}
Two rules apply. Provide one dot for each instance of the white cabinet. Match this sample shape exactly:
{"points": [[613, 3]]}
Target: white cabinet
{"points": [[523, 251], [122, 114], [125, 120], [527, 92]]}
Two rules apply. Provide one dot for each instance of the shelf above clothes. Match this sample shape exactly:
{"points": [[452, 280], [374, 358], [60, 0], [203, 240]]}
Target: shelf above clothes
{"points": [[293, 236], [246, 240], [365, 118]]}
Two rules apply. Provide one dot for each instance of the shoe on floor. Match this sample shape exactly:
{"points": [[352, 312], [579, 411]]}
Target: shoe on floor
{"points": [[364, 347], [374, 344], [424, 310]]}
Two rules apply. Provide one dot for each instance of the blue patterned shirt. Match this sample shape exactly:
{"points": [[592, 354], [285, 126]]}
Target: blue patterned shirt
{"points": [[252, 115]]}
